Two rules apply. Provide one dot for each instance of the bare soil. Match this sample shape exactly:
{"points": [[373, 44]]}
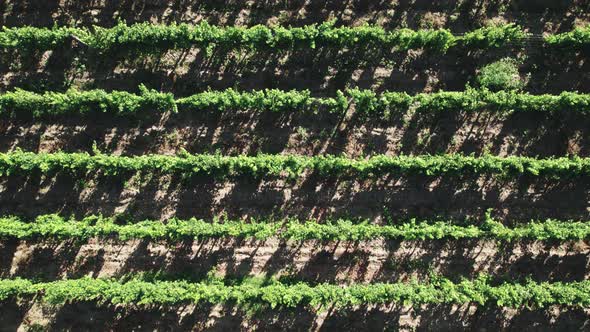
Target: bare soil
{"points": [[322, 70], [524, 134], [312, 196], [94, 317], [340, 262], [538, 16]]}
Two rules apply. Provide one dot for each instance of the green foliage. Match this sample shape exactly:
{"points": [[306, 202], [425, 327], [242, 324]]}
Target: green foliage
{"points": [[147, 37], [54, 226], [494, 36], [83, 102], [291, 166], [406, 39], [575, 39], [97, 226], [17, 287], [33, 38], [500, 75], [276, 294], [369, 103], [470, 100], [366, 102], [269, 99]]}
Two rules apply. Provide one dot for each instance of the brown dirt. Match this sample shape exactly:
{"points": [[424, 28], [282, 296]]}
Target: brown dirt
{"points": [[538, 16], [93, 317], [321, 70], [530, 134], [152, 196], [339, 262]]}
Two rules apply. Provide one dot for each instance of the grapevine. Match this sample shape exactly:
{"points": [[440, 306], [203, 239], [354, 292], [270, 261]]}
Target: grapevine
{"points": [[276, 294], [55, 226], [291, 166], [147, 37], [365, 102]]}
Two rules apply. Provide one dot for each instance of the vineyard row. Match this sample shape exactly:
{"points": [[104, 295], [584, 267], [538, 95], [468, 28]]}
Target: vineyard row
{"points": [[54, 226], [366, 102], [146, 37], [276, 294], [290, 166]]}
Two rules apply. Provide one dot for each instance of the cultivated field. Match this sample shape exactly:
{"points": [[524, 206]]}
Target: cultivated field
{"points": [[295, 165]]}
